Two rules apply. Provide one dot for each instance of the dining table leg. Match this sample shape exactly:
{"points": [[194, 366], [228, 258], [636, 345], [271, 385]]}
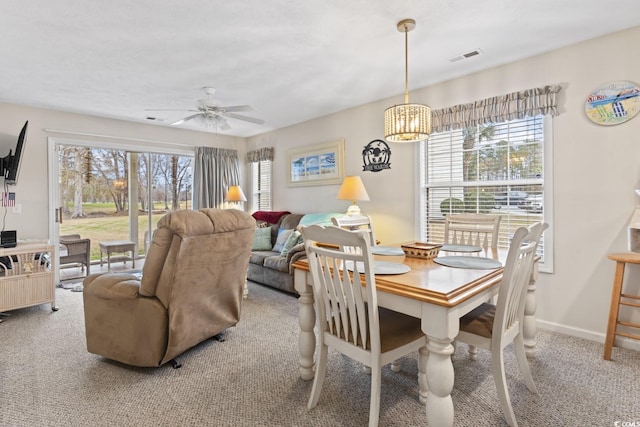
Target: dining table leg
{"points": [[440, 378], [306, 321]]}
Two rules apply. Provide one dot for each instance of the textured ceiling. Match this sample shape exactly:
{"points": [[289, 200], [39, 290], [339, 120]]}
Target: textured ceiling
{"points": [[291, 60]]}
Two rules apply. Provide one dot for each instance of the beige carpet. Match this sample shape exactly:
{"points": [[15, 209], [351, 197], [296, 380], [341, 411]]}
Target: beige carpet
{"points": [[48, 379]]}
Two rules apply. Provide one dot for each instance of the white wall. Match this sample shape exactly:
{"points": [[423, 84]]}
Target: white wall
{"points": [[595, 170], [33, 183]]}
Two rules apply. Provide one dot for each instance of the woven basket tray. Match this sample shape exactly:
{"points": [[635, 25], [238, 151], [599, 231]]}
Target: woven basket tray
{"points": [[421, 250]]}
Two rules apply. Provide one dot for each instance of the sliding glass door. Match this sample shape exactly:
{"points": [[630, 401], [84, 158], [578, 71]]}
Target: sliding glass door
{"points": [[108, 193]]}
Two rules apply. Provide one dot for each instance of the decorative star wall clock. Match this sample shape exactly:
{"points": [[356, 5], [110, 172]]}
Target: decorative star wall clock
{"points": [[613, 103]]}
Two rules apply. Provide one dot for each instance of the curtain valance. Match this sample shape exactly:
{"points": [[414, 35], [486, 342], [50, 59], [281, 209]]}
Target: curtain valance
{"points": [[259, 155], [515, 105]]}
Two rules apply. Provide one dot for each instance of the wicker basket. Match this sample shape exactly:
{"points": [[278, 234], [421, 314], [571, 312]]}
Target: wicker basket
{"points": [[421, 250]]}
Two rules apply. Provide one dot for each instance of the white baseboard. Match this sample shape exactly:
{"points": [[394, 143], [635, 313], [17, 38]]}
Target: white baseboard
{"points": [[622, 342]]}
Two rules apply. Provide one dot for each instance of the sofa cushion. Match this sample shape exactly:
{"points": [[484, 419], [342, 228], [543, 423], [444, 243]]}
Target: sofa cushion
{"points": [[262, 239], [290, 222], [283, 236], [258, 257], [277, 262]]}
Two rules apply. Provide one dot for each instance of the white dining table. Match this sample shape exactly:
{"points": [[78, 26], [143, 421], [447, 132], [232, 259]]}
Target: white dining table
{"points": [[439, 296]]}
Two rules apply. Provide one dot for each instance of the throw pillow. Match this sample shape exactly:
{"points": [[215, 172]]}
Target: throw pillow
{"points": [[262, 239], [283, 235], [294, 239]]}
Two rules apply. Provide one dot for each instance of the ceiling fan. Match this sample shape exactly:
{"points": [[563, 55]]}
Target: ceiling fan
{"points": [[210, 112]]}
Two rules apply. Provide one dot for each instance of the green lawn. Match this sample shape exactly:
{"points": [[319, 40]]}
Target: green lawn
{"points": [[109, 227]]}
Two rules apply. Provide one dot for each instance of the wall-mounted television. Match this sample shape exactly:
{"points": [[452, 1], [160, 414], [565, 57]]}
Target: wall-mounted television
{"points": [[10, 164]]}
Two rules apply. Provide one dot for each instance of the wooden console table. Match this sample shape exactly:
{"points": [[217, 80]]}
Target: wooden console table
{"points": [[118, 246], [27, 276]]}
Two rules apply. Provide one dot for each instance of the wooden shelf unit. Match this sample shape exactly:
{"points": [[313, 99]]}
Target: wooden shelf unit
{"points": [[27, 276]]}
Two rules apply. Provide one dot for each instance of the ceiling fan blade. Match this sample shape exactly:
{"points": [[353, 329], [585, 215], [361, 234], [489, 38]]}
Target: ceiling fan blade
{"points": [[245, 118], [186, 119], [168, 109], [238, 108]]}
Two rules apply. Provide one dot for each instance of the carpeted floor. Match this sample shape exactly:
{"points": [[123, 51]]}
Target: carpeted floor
{"points": [[47, 378]]}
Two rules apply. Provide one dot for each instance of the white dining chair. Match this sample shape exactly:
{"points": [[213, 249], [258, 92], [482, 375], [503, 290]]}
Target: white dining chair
{"points": [[493, 327], [347, 313], [355, 222], [472, 229]]}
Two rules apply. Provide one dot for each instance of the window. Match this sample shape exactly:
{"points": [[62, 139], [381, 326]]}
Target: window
{"points": [[261, 185], [499, 168]]}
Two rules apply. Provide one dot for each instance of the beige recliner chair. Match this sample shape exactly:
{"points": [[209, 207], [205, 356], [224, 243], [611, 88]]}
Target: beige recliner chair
{"points": [[191, 289]]}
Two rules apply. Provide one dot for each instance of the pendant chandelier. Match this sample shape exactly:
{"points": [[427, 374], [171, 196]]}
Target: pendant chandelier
{"points": [[407, 122]]}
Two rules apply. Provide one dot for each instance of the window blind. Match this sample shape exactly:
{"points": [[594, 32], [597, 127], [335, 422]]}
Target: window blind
{"points": [[495, 168], [261, 185]]}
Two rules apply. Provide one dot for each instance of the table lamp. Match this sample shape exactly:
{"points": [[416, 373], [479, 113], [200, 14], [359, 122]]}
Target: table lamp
{"points": [[353, 189], [235, 195]]}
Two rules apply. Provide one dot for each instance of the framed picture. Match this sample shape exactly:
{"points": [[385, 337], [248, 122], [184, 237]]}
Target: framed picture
{"points": [[321, 164]]}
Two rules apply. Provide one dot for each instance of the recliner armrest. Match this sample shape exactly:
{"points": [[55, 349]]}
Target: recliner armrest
{"points": [[113, 286]]}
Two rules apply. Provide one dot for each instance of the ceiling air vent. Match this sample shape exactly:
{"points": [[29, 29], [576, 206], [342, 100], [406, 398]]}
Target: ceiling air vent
{"points": [[466, 55]]}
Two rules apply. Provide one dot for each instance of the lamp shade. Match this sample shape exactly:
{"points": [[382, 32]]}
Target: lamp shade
{"points": [[407, 123], [235, 194], [352, 189]]}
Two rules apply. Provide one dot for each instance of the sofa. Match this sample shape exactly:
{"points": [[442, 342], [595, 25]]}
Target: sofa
{"points": [[277, 245], [190, 290]]}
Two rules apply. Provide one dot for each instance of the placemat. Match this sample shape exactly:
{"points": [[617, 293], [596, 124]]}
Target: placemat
{"points": [[382, 267], [387, 250], [472, 262], [460, 248]]}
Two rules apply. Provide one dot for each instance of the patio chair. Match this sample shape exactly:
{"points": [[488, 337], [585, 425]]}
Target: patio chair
{"points": [[75, 250]]}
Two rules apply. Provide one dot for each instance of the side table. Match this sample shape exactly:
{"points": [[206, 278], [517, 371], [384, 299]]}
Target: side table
{"points": [[117, 246]]}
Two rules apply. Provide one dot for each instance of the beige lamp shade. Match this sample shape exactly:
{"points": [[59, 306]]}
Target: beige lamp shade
{"points": [[353, 189], [235, 194]]}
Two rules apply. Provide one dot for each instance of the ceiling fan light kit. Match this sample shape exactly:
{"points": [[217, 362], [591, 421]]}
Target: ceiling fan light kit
{"points": [[212, 114], [407, 122]]}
